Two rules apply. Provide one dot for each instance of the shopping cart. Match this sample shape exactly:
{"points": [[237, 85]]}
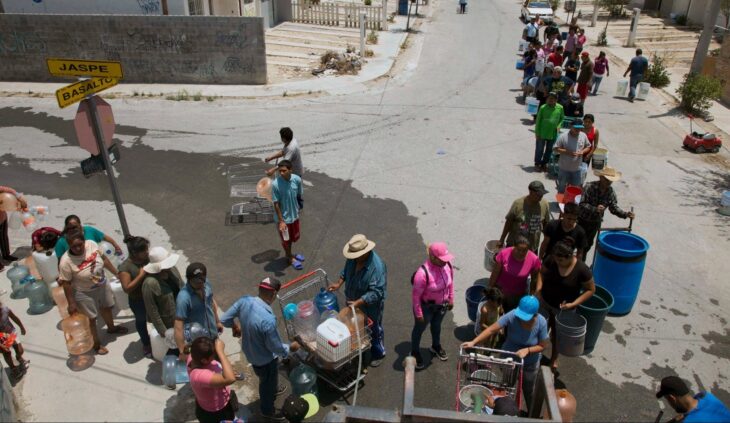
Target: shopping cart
{"points": [[497, 370], [243, 180], [338, 367]]}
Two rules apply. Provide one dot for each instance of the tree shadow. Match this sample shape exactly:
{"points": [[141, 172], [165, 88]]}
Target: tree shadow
{"points": [[673, 112]]}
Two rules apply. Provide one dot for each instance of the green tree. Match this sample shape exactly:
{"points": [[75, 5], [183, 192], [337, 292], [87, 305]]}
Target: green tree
{"points": [[725, 10], [697, 92], [614, 7]]}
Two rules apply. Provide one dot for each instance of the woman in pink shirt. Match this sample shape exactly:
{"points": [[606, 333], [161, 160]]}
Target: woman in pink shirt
{"points": [[433, 296], [210, 380], [514, 266], [4, 242]]}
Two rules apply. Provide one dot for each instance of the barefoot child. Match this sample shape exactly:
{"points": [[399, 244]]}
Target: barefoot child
{"points": [[489, 311], [8, 339]]}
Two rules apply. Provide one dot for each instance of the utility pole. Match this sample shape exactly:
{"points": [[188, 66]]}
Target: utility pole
{"points": [[164, 7], [711, 13]]}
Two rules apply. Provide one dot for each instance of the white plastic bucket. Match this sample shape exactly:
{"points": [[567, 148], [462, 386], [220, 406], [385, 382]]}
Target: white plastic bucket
{"points": [[523, 45], [621, 87], [531, 105], [490, 251], [600, 158], [643, 90]]}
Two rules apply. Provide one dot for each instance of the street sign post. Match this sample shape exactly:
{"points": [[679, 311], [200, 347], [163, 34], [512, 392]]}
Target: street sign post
{"points": [[71, 67], [77, 91], [84, 125]]}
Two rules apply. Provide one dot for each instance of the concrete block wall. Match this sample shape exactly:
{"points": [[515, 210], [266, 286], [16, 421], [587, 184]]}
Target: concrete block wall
{"points": [[95, 7], [152, 49]]}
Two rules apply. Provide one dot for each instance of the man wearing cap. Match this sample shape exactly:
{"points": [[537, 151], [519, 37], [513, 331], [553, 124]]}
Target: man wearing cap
{"points": [[586, 75], [195, 304], [260, 341], [160, 288], [571, 146], [285, 194], [526, 336], [366, 278], [298, 408], [433, 296], [598, 196], [547, 124], [527, 216], [701, 408]]}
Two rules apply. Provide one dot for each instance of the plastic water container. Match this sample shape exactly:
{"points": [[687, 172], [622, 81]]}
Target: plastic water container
{"points": [[644, 88], [572, 194], [77, 331], [158, 344], [595, 310], [59, 297], [621, 87], [47, 264], [354, 322], [600, 158], [325, 300], [490, 252], [303, 380], [566, 404], [19, 288], [263, 188], [333, 340], [474, 296], [523, 45], [619, 267], [16, 273], [307, 320], [121, 299], [531, 105], [571, 333], [519, 65], [174, 371], [39, 299]]}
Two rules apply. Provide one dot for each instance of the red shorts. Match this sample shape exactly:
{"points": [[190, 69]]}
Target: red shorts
{"points": [[583, 91], [293, 233]]}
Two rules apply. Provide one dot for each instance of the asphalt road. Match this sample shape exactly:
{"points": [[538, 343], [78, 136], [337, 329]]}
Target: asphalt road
{"points": [[435, 153]]}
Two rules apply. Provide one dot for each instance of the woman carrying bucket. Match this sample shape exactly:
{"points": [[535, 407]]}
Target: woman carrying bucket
{"points": [[566, 283]]}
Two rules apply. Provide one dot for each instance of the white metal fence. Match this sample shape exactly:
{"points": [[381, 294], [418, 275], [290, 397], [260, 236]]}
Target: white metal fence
{"points": [[340, 14]]}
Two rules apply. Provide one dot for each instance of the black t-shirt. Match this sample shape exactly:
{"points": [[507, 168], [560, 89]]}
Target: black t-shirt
{"points": [[573, 63], [557, 288], [554, 230]]}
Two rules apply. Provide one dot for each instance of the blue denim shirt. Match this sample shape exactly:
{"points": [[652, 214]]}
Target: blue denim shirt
{"points": [[191, 309], [369, 284], [260, 340]]}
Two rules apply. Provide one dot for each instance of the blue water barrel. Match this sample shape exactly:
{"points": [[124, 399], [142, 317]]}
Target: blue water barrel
{"points": [[474, 295], [402, 7], [619, 266]]}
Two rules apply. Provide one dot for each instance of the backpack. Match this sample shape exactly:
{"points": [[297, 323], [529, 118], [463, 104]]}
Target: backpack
{"points": [[413, 276]]}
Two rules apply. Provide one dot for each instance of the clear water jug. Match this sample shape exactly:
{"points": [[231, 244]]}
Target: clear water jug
{"points": [[77, 331], [325, 300], [303, 380], [39, 298], [59, 297], [19, 288], [16, 274], [174, 371], [306, 321]]}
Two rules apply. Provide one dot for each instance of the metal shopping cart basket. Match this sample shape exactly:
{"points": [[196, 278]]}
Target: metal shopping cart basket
{"points": [[500, 372], [338, 367], [242, 182]]}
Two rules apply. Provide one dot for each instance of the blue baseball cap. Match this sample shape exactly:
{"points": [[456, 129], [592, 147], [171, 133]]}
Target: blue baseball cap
{"points": [[528, 307]]}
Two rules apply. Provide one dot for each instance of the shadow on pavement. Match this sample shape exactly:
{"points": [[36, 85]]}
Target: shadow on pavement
{"points": [[133, 353]]}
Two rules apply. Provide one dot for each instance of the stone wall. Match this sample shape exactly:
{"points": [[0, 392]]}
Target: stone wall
{"points": [[152, 49], [95, 7], [722, 69]]}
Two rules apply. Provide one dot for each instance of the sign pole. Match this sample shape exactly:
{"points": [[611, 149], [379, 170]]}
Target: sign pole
{"points": [[99, 135]]}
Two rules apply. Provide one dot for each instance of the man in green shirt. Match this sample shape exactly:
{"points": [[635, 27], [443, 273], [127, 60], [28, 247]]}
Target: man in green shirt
{"points": [[528, 216], [547, 124]]}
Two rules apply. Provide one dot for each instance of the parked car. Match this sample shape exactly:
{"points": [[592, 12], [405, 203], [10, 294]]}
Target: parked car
{"points": [[537, 8]]}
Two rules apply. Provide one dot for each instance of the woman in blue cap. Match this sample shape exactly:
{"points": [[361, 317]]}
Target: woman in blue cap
{"points": [[527, 337]]}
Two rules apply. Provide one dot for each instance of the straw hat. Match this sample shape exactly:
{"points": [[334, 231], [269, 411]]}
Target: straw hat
{"points": [[609, 173], [357, 246], [160, 259]]}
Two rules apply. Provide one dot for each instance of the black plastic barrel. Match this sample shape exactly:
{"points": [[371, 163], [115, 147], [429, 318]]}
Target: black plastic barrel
{"points": [[595, 311]]}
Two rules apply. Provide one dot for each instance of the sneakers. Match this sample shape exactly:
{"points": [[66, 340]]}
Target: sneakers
{"points": [[276, 417], [376, 362], [281, 389], [419, 360], [439, 352]]}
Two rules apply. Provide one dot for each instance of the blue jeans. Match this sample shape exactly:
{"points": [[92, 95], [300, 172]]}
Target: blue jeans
{"points": [[633, 82], [140, 320], [433, 314], [268, 382], [566, 178], [596, 83], [543, 151], [377, 341]]}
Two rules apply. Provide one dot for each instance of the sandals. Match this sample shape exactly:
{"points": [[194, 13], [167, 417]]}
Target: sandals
{"points": [[297, 264], [299, 257], [101, 350], [118, 329]]}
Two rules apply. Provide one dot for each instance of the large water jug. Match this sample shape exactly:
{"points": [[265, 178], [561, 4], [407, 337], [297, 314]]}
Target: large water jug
{"points": [[19, 288], [77, 331], [39, 298], [47, 264], [306, 321], [174, 371], [59, 297], [194, 331], [303, 380], [121, 299], [158, 344], [16, 274], [354, 322], [325, 300]]}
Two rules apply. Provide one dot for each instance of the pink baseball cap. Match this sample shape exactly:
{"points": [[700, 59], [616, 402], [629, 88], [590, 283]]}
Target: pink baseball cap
{"points": [[440, 251]]}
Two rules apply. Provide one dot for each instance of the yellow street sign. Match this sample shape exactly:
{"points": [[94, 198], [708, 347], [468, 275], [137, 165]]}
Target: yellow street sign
{"points": [[70, 67], [77, 91]]}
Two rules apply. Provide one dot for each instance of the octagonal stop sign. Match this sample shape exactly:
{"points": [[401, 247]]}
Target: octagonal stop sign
{"points": [[84, 124]]}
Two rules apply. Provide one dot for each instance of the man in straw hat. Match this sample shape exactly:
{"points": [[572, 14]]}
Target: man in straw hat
{"points": [[365, 277], [597, 197]]}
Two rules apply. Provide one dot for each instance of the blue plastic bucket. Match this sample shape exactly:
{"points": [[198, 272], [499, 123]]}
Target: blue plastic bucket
{"points": [[519, 65], [473, 298], [619, 267]]}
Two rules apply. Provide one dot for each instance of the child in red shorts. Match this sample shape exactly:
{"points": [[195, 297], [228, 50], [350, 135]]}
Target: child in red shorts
{"points": [[8, 340]]}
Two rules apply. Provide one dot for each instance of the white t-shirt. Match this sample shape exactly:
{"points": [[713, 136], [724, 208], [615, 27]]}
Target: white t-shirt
{"points": [[568, 162], [294, 155], [84, 272]]}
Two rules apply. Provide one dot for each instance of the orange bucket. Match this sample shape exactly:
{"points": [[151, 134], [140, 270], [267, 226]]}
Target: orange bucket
{"points": [[571, 192]]}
